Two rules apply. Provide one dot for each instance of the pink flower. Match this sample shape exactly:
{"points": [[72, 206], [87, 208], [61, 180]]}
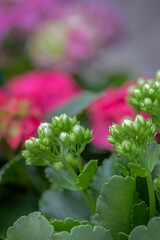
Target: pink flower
{"points": [[110, 108], [45, 89]]}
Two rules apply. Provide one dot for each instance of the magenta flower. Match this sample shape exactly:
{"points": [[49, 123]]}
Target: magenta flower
{"points": [[110, 108], [45, 89]]}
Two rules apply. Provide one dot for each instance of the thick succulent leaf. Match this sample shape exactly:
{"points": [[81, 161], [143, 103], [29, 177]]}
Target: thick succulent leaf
{"points": [[114, 205], [76, 105], [33, 227], [11, 171], [103, 173], [139, 214], [123, 236], [60, 178], [61, 204], [151, 232], [66, 225], [138, 170], [154, 154], [87, 233], [87, 174]]}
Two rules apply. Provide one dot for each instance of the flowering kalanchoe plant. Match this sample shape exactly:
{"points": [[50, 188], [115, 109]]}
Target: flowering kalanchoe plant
{"points": [[145, 96], [124, 205]]}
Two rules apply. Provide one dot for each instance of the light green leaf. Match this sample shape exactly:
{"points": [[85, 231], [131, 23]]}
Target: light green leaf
{"points": [[154, 154], [114, 205], [61, 204], [123, 236], [138, 170], [33, 227], [60, 178], [87, 174], [151, 232], [139, 214], [87, 233], [66, 225], [76, 105]]}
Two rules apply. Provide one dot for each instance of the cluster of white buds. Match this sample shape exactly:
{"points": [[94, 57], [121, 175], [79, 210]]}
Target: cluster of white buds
{"points": [[63, 123], [145, 95], [77, 138], [132, 136]]}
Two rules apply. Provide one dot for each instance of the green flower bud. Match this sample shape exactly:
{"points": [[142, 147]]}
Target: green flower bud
{"points": [[111, 140], [63, 137], [153, 129], [149, 122], [157, 84], [73, 138], [156, 184], [73, 121], [146, 88], [45, 130], [158, 75], [116, 131], [140, 120], [141, 81], [127, 126], [148, 102], [88, 135], [126, 146], [55, 121], [65, 120]]}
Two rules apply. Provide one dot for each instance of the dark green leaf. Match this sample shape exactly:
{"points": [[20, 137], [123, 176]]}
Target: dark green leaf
{"points": [[123, 236], [114, 205], [139, 214], [104, 172], [87, 174], [62, 203], [151, 232], [60, 178], [76, 105], [66, 225], [32, 227], [138, 170], [87, 233]]}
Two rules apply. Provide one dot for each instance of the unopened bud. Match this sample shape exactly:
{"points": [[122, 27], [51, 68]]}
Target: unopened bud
{"points": [[111, 140], [63, 137], [148, 102], [127, 126]]}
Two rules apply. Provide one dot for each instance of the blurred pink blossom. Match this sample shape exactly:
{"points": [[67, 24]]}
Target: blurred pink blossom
{"points": [[45, 89], [26, 100], [110, 108]]}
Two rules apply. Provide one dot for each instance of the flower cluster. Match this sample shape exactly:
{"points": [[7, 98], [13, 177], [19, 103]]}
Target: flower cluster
{"points": [[63, 131], [132, 136], [146, 95]]}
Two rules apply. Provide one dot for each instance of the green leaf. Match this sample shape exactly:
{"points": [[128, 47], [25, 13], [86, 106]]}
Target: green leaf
{"points": [[11, 171], [85, 178], [32, 227], [66, 225], [139, 214], [62, 203], [103, 173], [154, 154], [114, 205], [13, 206], [60, 178], [87, 233], [76, 105], [138, 170], [151, 232], [123, 170], [123, 236]]}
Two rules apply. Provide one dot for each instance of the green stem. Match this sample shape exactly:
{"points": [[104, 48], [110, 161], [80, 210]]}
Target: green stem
{"points": [[152, 200], [91, 204], [67, 165], [80, 163]]}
